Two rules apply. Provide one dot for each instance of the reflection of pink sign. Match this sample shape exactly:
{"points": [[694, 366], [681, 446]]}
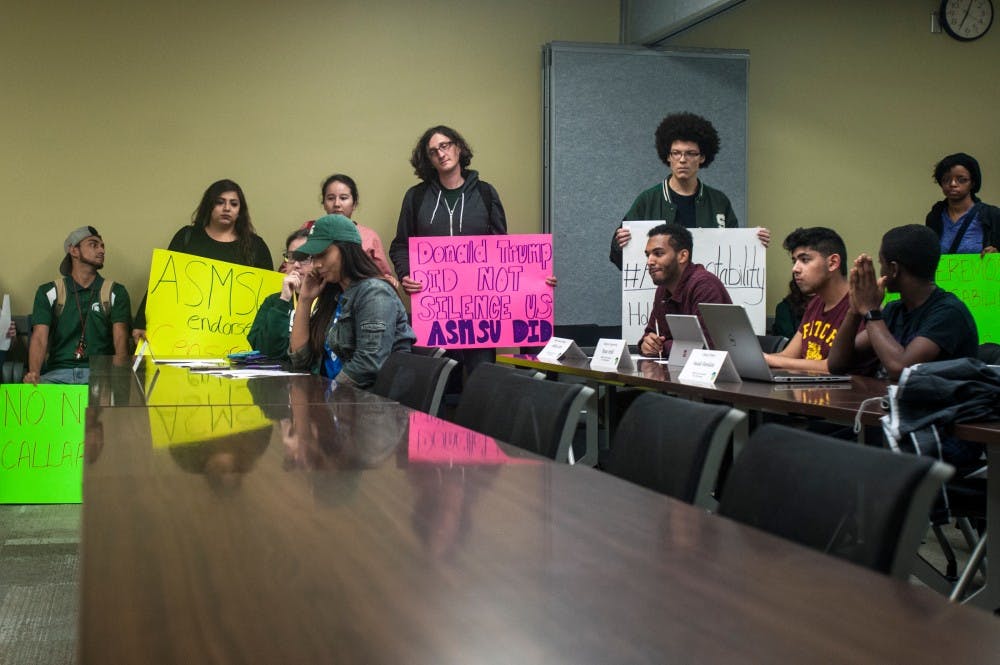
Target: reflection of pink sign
{"points": [[482, 291], [440, 442]]}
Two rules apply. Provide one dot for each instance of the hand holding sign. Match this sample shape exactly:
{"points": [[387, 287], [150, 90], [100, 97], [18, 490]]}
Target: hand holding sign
{"points": [[481, 291]]}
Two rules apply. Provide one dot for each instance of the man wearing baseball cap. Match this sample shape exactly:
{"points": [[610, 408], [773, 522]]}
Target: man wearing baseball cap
{"points": [[78, 315]]}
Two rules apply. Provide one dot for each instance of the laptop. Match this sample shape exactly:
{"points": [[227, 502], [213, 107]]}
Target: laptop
{"points": [[685, 329], [730, 329]]}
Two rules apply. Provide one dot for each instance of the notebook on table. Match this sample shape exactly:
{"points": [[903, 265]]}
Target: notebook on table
{"points": [[730, 329]]}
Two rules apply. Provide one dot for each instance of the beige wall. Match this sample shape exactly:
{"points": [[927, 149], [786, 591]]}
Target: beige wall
{"points": [[120, 114], [851, 104]]}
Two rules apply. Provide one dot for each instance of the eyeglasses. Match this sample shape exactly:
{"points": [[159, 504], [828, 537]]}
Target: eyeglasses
{"points": [[960, 179], [689, 154], [292, 257], [442, 148]]}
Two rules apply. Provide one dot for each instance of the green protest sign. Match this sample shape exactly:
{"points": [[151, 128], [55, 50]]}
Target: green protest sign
{"points": [[975, 281], [41, 449]]}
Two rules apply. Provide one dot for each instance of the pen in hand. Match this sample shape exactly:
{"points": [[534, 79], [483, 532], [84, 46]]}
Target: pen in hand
{"points": [[657, 324]]}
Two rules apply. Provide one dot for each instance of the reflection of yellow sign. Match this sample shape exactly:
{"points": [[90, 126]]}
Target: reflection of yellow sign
{"points": [[201, 308], [186, 407]]}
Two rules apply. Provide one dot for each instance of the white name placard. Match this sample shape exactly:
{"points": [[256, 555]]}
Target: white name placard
{"points": [[705, 367], [561, 348], [611, 355]]}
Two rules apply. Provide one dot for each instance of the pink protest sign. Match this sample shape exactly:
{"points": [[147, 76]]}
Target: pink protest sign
{"points": [[439, 442], [482, 291]]}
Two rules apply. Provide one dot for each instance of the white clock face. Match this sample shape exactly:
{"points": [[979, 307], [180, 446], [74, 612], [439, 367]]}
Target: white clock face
{"points": [[968, 19]]}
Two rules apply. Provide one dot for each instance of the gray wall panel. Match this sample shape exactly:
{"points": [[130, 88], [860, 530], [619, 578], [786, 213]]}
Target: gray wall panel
{"points": [[602, 105]]}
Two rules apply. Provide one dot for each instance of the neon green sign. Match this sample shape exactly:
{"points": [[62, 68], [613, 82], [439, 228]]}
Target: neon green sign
{"points": [[41, 449], [976, 282]]}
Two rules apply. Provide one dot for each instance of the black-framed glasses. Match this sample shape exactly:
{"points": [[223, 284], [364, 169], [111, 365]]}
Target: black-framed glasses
{"points": [[688, 154], [292, 257], [442, 147]]}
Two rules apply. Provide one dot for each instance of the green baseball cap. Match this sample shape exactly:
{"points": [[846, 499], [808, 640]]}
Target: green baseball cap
{"points": [[328, 230]]}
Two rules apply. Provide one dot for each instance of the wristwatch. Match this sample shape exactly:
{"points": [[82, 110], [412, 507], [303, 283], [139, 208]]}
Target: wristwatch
{"points": [[873, 315]]}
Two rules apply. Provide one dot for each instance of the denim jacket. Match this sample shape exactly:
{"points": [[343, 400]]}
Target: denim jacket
{"points": [[372, 325]]}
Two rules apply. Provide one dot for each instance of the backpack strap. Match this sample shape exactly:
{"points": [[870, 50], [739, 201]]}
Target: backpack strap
{"points": [[60, 303], [971, 215], [57, 307], [487, 196], [418, 197], [106, 296]]}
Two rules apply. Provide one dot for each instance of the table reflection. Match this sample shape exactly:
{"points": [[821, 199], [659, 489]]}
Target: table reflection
{"points": [[223, 460]]}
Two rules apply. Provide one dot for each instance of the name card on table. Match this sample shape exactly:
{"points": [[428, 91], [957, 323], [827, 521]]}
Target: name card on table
{"points": [[41, 448], [482, 291], [612, 355], [705, 367], [735, 256], [201, 308], [561, 348]]}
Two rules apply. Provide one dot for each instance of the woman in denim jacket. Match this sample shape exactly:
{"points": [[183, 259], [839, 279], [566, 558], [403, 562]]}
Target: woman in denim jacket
{"points": [[369, 322]]}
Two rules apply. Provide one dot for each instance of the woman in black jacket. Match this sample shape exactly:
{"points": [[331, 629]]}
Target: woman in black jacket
{"points": [[964, 224]]}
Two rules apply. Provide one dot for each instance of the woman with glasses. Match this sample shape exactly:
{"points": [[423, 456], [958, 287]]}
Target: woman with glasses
{"points": [[369, 321], [272, 326], [450, 200], [686, 143], [964, 224]]}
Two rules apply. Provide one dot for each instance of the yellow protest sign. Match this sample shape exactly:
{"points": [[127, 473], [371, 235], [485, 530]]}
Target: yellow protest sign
{"points": [[201, 308]]}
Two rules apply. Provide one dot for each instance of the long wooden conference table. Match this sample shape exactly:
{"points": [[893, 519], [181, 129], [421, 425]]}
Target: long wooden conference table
{"points": [[351, 529], [841, 402]]}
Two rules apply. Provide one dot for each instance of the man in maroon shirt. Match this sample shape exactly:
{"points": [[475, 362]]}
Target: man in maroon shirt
{"points": [[680, 285], [819, 269]]}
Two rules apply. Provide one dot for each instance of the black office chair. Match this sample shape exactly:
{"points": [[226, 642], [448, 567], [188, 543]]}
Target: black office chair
{"points": [[483, 389], [414, 380], [772, 343], [860, 503], [432, 351], [540, 416], [653, 449]]}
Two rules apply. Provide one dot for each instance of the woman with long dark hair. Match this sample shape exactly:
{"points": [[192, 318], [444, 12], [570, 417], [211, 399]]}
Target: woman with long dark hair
{"points": [[369, 321], [273, 323], [221, 230]]}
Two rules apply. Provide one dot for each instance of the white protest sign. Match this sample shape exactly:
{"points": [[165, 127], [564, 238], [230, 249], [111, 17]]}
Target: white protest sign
{"points": [[5, 323], [735, 256]]}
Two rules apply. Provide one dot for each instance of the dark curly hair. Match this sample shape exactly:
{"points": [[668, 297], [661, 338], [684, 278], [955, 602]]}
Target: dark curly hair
{"points": [[687, 127], [421, 161], [960, 159]]}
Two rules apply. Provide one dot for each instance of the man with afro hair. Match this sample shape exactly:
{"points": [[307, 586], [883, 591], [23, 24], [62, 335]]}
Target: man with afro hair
{"points": [[686, 143]]}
